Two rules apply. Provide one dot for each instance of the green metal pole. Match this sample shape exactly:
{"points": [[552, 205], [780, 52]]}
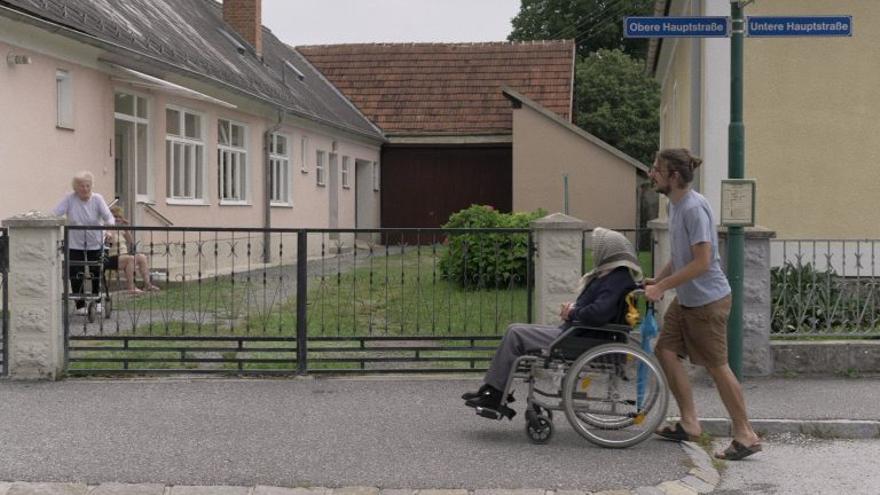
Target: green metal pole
{"points": [[736, 170]]}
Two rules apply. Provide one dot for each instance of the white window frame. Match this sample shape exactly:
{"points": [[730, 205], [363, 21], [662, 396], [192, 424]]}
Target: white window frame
{"points": [[186, 142], [320, 168], [375, 176], [148, 197], [304, 155], [279, 164], [239, 167], [345, 172], [64, 117]]}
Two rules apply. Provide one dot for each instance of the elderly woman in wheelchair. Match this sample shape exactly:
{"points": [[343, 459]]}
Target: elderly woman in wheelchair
{"points": [[612, 392]]}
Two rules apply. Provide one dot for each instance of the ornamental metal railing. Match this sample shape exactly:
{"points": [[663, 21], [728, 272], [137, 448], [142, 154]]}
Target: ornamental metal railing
{"points": [[295, 300], [825, 288]]}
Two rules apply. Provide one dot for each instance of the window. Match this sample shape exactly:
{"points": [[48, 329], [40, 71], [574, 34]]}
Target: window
{"points": [[184, 155], [345, 166], [319, 167], [133, 142], [232, 169], [375, 176], [279, 170], [64, 97], [304, 155]]}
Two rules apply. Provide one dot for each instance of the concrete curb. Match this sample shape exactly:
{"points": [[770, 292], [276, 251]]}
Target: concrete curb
{"points": [[850, 429], [702, 478]]}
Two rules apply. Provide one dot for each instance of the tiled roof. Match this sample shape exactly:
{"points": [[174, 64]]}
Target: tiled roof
{"points": [[447, 88], [188, 35]]}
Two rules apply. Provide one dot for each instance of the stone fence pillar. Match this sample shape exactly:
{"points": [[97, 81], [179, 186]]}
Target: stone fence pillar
{"points": [[36, 336], [757, 302], [757, 355], [558, 260]]}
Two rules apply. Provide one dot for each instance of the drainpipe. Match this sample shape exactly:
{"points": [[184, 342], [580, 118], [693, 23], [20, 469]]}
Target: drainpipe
{"points": [[267, 187]]}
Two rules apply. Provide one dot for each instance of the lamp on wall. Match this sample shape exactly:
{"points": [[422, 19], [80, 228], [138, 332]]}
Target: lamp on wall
{"points": [[13, 59]]}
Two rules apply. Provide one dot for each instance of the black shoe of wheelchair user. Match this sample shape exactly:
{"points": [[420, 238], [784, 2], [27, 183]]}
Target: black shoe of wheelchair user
{"points": [[488, 404], [473, 395]]}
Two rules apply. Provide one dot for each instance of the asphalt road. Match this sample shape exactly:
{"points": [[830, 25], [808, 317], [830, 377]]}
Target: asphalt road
{"points": [[412, 433]]}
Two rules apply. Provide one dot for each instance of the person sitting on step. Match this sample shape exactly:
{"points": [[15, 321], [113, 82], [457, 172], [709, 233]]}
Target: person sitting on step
{"points": [[616, 273], [124, 258]]}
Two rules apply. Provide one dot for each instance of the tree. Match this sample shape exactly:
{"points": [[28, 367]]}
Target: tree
{"points": [[617, 102], [593, 24]]}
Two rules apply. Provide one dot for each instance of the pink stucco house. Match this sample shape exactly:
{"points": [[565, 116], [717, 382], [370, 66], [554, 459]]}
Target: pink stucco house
{"points": [[187, 111]]}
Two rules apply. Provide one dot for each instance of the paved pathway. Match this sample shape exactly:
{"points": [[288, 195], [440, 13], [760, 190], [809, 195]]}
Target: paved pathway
{"points": [[407, 434]]}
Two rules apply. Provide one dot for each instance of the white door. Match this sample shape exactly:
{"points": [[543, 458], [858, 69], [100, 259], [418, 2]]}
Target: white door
{"points": [[131, 151], [124, 159]]}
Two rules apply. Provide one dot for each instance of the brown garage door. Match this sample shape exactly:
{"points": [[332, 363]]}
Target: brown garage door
{"points": [[422, 186]]}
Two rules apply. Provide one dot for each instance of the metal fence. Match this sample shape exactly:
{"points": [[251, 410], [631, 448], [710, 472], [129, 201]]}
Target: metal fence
{"points": [[4, 301], [299, 300], [825, 287]]}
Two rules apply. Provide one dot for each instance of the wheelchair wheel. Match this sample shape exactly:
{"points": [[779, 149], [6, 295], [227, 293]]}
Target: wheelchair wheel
{"points": [[539, 428], [615, 395]]}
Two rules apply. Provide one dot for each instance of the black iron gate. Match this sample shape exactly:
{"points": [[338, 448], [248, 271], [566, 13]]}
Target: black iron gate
{"points": [[4, 301], [281, 301]]}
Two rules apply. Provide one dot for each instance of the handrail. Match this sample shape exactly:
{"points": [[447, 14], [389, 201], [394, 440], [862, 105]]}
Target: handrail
{"points": [[162, 218]]}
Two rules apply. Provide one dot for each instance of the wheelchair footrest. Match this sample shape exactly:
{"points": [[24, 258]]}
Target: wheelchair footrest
{"points": [[501, 412]]}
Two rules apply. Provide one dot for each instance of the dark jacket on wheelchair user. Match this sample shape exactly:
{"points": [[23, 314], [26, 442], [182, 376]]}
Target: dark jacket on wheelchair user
{"points": [[601, 301]]}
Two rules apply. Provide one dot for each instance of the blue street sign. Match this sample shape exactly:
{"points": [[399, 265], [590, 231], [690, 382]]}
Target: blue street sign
{"points": [[676, 27], [839, 25]]}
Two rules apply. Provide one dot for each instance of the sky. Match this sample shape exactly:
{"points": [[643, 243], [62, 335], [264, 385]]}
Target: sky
{"points": [[320, 22]]}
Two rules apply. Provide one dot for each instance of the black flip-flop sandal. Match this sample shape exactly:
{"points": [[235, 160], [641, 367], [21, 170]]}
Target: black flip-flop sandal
{"points": [[675, 434], [737, 451]]}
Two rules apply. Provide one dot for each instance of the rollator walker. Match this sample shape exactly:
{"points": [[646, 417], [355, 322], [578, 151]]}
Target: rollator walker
{"points": [[612, 391]]}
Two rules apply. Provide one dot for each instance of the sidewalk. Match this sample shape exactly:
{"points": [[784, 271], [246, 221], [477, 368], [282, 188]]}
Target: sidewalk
{"points": [[831, 407], [390, 433]]}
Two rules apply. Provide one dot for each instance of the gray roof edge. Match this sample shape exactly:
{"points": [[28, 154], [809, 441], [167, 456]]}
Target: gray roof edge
{"points": [[512, 94], [89, 39], [336, 90], [655, 45]]}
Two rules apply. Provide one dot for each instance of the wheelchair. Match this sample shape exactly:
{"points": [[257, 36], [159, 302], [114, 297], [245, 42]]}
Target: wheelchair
{"points": [[612, 392]]}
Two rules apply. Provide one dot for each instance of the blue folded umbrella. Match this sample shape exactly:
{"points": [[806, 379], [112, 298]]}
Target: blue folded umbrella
{"points": [[648, 330]]}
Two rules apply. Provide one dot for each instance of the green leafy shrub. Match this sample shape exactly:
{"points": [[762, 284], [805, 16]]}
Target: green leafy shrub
{"points": [[487, 260], [803, 296]]}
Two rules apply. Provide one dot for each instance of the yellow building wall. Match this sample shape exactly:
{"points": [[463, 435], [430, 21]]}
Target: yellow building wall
{"points": [[811, 114], [675, 108]]}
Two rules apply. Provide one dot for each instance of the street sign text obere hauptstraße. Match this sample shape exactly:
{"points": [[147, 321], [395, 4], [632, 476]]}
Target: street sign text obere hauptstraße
{"points": [[676, 27], [840, 25]]}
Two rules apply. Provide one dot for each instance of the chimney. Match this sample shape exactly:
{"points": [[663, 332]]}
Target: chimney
{"points": [[246, 18]]}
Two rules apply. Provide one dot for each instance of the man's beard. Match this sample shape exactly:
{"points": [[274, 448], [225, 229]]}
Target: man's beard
{"points": [[664, 190]]}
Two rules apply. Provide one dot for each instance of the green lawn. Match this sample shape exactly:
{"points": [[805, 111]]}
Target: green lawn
{"points": [[393, 296], [397, 295]]}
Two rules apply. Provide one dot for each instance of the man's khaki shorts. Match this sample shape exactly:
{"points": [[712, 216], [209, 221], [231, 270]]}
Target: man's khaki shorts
{"points": [[699, 333]]}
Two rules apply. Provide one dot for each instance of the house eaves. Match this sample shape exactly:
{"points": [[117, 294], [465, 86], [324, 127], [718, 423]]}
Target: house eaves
{"points": [[519, 99], [655, 45], [142, 61]]}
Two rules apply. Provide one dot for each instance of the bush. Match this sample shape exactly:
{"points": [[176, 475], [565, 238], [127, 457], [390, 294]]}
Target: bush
{"points": [[484, 259], [801, 296]]}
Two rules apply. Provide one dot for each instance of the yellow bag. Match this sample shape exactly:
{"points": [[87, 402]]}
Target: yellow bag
{"points": [[632, 310]]}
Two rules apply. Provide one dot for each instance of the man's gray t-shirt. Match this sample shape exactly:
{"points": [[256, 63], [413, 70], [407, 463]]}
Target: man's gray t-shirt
{"points": [[690, 223]]}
